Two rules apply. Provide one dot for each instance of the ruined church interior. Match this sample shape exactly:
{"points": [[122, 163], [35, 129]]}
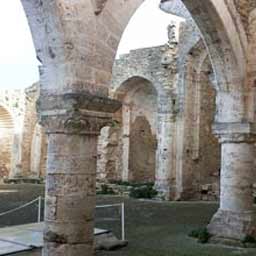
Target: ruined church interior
{"points": [[145, 152]]}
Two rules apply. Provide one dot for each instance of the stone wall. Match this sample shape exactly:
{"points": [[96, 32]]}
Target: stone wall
{"points": [[201, 150], [6, 141], [34, 143], [77, 52], [142, 151], [38, 153], [12, 105], [107, 152], [195, 153], [128, 151], [138, 79], [139, 131], [23, 142]]}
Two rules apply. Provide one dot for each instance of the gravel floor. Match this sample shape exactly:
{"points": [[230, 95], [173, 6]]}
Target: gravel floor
{"points": [[152, 228]]}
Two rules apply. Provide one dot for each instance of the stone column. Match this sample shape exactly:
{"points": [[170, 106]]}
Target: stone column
{"points": [[165, 156], [126, 115], [167, 110], [166, 121], [16, 159], [236, 216], [71, 170]]}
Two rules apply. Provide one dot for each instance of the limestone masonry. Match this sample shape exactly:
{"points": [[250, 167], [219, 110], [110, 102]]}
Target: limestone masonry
{"points": [[181, 115]]}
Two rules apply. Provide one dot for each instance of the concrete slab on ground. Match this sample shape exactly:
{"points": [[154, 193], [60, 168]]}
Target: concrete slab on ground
{"points": [[25, 237]]}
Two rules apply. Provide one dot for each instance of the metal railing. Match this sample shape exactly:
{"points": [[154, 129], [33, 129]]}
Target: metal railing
{"points": [[121, 205], [40, 199]]}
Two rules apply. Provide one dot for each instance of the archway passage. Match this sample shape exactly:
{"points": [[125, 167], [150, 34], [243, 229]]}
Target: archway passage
{"points": [[139, 128], [6, 141], [142, 151]]}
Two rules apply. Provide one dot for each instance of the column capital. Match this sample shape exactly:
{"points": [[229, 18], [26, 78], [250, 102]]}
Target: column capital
{"points": [[76, 113], [240, 132]]}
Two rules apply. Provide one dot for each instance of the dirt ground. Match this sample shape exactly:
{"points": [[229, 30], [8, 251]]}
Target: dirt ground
{"points": [[152, 228]]}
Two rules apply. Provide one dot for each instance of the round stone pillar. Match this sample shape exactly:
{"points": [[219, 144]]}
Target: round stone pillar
{"points": [[236, 217], [164, 156], [71, 170], [70, 195]]}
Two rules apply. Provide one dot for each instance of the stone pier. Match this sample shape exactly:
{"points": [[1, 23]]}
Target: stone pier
{"points": [[165, 156], [236, 217], [71, 170]]}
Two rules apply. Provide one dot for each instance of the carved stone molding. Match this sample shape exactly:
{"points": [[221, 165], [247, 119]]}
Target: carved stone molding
{"points": [[76, 113], [235, 132], [71, 101], [76, 122], [98, 6]]}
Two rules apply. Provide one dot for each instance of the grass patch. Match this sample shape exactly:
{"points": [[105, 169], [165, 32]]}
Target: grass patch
{"points": [[143, 191], [249, 240], [202, 235]]}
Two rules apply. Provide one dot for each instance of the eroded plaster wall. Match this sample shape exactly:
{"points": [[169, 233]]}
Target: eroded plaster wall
{"points": [[108, 154], [6, 141], [34, 141], [128, 150], [141, 102], [12, 103], [195, 153], [23, 142], [201, 150]]}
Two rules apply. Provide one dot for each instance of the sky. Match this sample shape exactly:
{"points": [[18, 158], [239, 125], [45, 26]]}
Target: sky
{"points": [[147, 27], [18, 63]]}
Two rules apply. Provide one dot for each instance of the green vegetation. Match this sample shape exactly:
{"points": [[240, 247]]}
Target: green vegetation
{"points": [[249, 240], [152, 228], [106, 190], [121, 183], [201, 234], [143, 191]]}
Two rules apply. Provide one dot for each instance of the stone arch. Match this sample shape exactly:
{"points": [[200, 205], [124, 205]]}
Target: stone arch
{"points": [[209, 147], [139, 128], [96, 48], [133, 85], [225, 41], [14, 102], [37, 21], [215, 21], [7, 128], [77, 42], [55, 45], [129, 84], [198, 171], [8, 102]]}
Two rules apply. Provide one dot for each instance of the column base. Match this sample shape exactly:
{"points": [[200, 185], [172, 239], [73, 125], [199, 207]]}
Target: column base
{"points": [[227, 226], [67, 249], [231, 242], [163, 189], [188, 194], [166, 191]]}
